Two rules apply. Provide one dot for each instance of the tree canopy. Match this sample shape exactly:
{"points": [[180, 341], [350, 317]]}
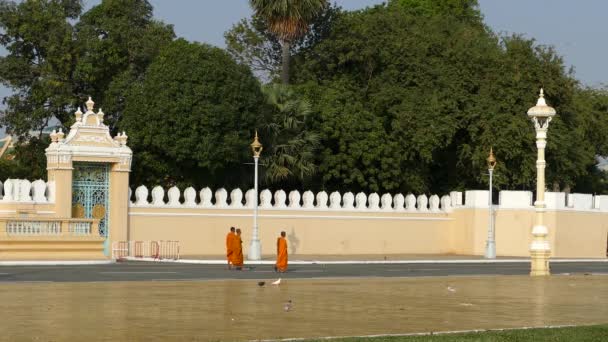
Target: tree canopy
{"points": [[405, 96], [192, 117]]}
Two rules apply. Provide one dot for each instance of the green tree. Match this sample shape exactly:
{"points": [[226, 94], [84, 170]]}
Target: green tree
{"points": [[288, 20], [38, 35], [406, 101], [192, 117], [251, 43], [289, 158], [117, 39]]}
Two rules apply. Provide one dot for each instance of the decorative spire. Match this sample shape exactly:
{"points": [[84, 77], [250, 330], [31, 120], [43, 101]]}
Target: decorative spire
{"points": [[90, 105], [78, 115], [53, 136], [541, 98], [60, 135], [100, 115]]}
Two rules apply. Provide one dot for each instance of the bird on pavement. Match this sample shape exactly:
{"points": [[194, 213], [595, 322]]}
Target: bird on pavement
{"points": [[261, 283], [287, 306], [277, 282]]}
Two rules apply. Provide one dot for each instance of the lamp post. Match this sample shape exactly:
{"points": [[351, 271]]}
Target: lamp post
{"points": [[255, 249], [491, 243], [541, 116]]}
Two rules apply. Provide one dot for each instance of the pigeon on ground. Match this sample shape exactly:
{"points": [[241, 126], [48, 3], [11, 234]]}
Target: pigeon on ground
{"points": [[451, 289], [277, 282], [261, 283], [287, 306]]}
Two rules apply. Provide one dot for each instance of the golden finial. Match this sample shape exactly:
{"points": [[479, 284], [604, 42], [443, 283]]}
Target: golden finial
{"points": [[90, 104], [256, 146], [491, 160]]}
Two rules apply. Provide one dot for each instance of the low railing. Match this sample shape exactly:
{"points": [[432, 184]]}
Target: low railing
{"points": [[157, 250], [49, 227]]}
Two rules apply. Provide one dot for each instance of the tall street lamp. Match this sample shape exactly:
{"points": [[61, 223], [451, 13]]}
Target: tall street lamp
{"points": [[491, 244], [255, 249], [541, 116]]}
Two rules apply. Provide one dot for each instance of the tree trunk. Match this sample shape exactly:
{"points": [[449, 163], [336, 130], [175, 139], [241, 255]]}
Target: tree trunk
{"points": [[285, 63]]}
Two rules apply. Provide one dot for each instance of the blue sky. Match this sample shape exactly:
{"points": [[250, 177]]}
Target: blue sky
{"points": [[577, 29]]}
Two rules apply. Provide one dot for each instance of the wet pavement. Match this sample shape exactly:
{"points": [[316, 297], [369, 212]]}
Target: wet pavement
{"points": [[229, 310]]}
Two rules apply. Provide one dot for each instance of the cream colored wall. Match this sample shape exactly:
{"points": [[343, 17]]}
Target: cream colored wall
{"points": [[579, 234], [571, 233], [203, 231]]}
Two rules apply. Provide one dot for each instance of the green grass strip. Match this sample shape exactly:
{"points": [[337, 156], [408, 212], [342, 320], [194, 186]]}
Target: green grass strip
{"points": [[590, 333]]}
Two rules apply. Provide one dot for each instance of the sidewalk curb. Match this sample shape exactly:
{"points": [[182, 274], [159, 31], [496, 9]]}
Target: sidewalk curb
{"points": [[55, 263], [364, 262]]}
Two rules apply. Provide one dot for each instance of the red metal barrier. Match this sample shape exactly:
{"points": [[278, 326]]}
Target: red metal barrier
{"points": [[169, 250], [138, 249], [154, 250], [157, 250], [120, 250]]}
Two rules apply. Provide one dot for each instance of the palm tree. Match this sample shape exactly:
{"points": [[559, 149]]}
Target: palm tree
{"points": [[292, 147], [288, 20]]}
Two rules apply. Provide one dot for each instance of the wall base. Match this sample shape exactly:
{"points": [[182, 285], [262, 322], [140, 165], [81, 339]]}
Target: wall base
{"points": [[39, 248]]}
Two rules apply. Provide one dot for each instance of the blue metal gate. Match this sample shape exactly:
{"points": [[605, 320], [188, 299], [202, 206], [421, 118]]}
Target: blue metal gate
{"points": [[90, 187]]}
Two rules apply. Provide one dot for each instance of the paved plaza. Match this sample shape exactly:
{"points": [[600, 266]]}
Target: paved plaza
{"points": [[229, 310]]}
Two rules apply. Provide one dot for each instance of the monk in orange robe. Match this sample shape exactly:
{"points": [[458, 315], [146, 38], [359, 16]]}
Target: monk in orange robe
{"points": [[281, 265], [229, 244], [237, 250]]}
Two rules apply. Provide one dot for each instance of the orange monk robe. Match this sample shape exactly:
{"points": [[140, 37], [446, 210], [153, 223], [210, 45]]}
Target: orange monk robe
{"points": [[237, 251], [229, 245], [281, 254]]}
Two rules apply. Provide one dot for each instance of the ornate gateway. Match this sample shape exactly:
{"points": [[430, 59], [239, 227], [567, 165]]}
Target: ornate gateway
{"points": [[90, 186]]}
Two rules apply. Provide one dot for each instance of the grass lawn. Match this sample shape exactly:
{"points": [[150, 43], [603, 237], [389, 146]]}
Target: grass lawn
{"points": [[593, 333]]}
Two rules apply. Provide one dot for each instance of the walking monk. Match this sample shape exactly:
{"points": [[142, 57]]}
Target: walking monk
{"points": [[229, 243], [237, 250], [281, 265]]}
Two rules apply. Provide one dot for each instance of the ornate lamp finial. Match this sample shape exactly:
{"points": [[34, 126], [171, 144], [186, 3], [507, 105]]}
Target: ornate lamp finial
{"points": [[491, 160], [90, 104], [541, 111], [256, 146]]}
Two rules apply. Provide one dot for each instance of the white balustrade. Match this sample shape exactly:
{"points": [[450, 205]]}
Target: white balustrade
{"points": [[24, 190], [334, 200], [410, 202], [434, 203], [190, 197], [294, 199], [38, 191], [250, 198], [221, 196], [321, 200], [446, 204], [236, 198], [279, 199], [174, 195], [399, 202], [386, 202], [265, 199], [348, 201], [422, 203], [205, 196], [308, 198], [158, 196], [361, 201], [141, 196]]}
